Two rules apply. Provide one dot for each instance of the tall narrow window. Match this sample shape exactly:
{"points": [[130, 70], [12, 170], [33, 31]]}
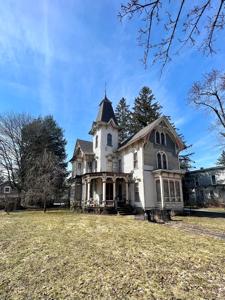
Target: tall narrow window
{"points": [[157, 137], [135, 160], [159, 161], [136, 192], [163, 138], [172, 191], [96, 165], [164, 161], [109, 139], [96, 141], [119, 165], [158, 191], [166, 190], [177, 188], [213, 179]]}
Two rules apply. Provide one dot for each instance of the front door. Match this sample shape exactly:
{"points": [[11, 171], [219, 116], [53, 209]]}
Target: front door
{"points": [[109, 191]]}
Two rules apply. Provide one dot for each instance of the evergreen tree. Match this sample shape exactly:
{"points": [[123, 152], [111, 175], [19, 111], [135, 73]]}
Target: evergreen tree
{"points": [[221, 159], [123, 114], [39, 137], [145, 110]]}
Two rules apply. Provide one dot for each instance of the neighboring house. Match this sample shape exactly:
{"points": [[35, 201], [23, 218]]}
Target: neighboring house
{"points": [[205, 187], [142, 172], [8, 196]]}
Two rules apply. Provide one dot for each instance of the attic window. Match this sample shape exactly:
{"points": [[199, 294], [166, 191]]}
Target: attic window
{"points": [[162, 138], [157, 137], [109, 139]]}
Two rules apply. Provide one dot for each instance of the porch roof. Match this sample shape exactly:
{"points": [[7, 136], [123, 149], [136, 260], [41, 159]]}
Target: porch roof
{"points": [[161, 171], [107, 174]]}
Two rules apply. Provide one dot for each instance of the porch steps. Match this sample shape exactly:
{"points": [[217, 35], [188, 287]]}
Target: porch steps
{"points": [[125, 210]]}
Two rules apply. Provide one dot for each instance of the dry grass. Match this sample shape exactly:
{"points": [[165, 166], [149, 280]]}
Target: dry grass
{"points": [[60, 255], [217, 224]]}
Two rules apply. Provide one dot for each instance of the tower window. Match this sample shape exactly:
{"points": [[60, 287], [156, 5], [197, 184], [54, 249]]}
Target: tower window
{"points": [[96, 141], [109, 139]]}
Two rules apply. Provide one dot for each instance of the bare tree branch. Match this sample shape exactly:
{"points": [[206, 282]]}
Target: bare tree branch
{"points": [[174, 27]]}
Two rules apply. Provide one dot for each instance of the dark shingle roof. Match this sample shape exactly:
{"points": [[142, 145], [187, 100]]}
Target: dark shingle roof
{"points": [[106, 112], [86, 146]]}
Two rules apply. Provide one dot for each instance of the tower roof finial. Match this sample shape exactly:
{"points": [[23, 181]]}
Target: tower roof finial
{"points": [[105, 89]]}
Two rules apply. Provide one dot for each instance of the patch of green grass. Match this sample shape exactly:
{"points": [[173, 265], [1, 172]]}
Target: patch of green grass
{"points": [[61, 255], [217, 224]]}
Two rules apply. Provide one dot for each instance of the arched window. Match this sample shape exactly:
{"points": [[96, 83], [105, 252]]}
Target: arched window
{"points": [[164, 161], [109, 139], [96, 141], [157, 137], [163, 138], [159, 161]]}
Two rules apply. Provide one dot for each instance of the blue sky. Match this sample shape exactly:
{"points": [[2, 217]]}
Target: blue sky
{"points": [[55, 57]]}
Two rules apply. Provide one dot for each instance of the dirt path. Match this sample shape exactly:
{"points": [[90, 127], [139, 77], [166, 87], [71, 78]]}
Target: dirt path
{"points": [[199, 230]]}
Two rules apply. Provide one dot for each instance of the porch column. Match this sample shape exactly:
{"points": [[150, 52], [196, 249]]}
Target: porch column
{"points": [[88, 190], [114, 192], [181, 191], [162, 191], [127, 192], [103, 192]]}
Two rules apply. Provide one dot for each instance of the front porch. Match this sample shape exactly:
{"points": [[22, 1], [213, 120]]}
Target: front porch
{"points": [[105, 190]]}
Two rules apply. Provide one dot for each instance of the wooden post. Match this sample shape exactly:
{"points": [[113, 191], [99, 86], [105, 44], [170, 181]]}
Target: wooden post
{"points": [[162, 191], [114, 192], [88, 191], [127, 192], [103, 191]]}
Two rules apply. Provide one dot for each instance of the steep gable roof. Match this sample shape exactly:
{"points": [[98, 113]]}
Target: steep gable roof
{"points": [[146, 130], [85, 146]]}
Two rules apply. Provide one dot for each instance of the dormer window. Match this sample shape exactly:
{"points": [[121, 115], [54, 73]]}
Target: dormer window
{"points": [[109, 139], [162, 161], [96, 141]]}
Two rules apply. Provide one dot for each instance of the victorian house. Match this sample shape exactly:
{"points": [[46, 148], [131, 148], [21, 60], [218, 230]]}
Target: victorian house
{"points": [[143, 172]]}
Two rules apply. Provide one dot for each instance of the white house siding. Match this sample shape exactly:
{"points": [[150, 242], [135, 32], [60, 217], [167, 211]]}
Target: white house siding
{"points": [[127, 160], [102, 151]]}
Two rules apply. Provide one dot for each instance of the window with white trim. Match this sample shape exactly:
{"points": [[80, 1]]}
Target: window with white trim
{"points": [[162, 162], [96, 141], [160, 138], [177, 189], [158, 191], [135, 159], [7, 189], [109, 139], [166, 190], [136, 192]]}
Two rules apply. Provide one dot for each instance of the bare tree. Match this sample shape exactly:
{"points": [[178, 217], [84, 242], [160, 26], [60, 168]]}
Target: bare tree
{"points": [[210, 94], [170, 25], [41, 180], [11, 126]]}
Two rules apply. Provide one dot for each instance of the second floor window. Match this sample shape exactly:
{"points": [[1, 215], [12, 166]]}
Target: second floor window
{"points": [[213, 179], [135, 160], [79, 166], [162, 161], [109, 139], [96, 141]]}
